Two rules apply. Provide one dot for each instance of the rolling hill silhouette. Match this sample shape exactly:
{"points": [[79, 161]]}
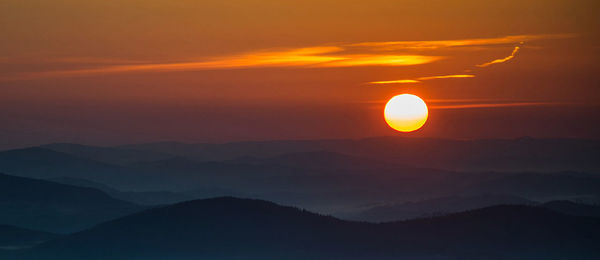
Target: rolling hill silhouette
{"points": [[434, 207], [109, 155], [353, 173], [273, 176], [44, 163], [137, 197], [448, 205], [321, 160], [540, 185], [572, 208], [14, 237], [54, 207], [522, 154], [231, 228]]}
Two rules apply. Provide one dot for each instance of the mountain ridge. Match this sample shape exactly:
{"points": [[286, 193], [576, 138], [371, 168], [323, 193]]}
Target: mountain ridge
{"points": [[54, 207], [257, 229]]}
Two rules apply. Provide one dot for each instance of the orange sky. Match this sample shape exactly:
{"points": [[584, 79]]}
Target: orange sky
{"points": [[125, 71]]}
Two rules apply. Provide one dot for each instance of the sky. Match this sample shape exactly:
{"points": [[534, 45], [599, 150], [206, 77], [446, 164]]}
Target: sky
{"points": [[107, 72]]}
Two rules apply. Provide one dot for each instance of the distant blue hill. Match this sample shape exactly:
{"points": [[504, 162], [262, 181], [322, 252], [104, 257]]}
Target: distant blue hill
{"points": [[44, 163], [54, 207], [434, 207], [137, 197], [109, 155], [522, 154]]}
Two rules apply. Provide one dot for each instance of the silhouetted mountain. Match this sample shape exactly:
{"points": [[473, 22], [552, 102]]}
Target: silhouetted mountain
{"points": [[85, 183], [321, 181], [54, 207], [320, 160], [324, 175], [229, 228], [186, 174], [308, 187], [263, 179], [41, 163], [227, 151], [108, 155], [14, 237], [273, 176], [433, 207], [205, 228], [137, 197], [508, 232], [541, 186], [573, 208], [489, 154]]}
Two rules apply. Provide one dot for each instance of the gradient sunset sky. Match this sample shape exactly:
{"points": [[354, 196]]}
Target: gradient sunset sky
{"points": [[108, 72]]}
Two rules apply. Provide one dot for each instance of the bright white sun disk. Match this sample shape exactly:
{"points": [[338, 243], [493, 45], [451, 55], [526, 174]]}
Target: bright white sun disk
{"points": [[406, 113]]}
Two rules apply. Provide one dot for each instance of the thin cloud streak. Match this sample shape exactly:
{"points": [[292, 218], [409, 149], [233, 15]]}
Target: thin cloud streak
{"points": [[424, 45], [379, 60], [471, 102], [418, 80], [400, 81], [460, 100], [510, 57], [447, 77], [319, 57], [494, 105]]}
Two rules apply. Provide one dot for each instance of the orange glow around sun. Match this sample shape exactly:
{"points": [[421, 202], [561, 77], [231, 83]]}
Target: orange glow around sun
{"points": [[405, 113]]}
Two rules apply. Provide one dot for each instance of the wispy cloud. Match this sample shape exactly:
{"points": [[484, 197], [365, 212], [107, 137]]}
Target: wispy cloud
{"points": [[505, 59], [448, 77], [493, 105], [418, 80], [400, 81], [442, 104], [459, 100], [424, 45], [319, 56], [390, 53], [379, 60]]}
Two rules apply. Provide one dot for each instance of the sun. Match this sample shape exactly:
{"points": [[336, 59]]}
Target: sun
{"points": [[405, 113]]}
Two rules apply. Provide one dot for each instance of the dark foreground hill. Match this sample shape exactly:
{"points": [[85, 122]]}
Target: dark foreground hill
{"points": [[15, 237], [572, 208], [54, 207], [230, 228]]}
